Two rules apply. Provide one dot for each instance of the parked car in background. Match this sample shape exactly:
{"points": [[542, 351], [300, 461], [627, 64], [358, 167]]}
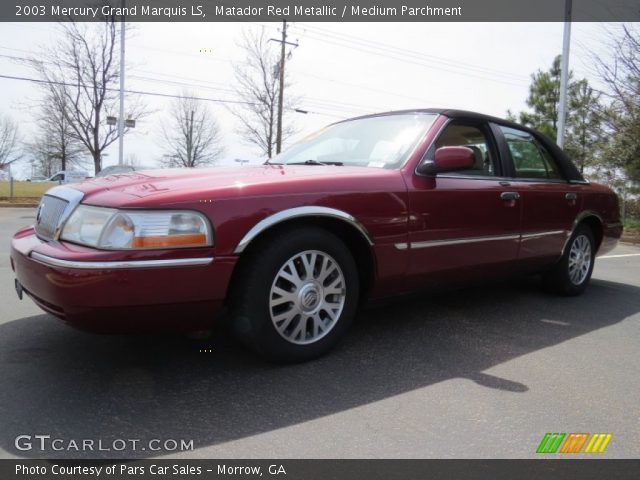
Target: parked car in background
{"points": [[37, 178], [69, 176], [369, 207]]}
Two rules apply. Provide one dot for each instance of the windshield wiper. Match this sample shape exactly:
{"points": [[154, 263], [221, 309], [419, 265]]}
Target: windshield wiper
{"points": [[316, 162]]}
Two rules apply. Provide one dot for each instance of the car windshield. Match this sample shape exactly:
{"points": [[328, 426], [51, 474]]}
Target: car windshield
{"points": [[381, 142]]}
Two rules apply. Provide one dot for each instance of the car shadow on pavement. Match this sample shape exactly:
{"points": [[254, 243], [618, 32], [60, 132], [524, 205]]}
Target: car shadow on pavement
{"points": [[72, 385]]}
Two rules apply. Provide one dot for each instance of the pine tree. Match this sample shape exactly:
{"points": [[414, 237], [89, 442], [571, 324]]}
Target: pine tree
{"points": [[584, 132]]}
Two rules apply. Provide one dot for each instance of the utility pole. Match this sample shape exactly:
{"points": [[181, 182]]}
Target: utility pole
{"points": [[564, 75], [283, 43], [121, 119], [190, 142], [281, 90]]}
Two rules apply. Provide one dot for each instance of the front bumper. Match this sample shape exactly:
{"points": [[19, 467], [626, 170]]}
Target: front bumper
{"points": [[122, 292]]}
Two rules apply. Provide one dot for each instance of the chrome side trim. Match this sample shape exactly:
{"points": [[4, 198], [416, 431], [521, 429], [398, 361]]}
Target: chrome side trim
{"points": [[298, 212], [543, 234], [460, 241], [178, 262]]}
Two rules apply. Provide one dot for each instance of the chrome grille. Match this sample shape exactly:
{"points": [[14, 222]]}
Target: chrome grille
{"points": [[49, 215]]}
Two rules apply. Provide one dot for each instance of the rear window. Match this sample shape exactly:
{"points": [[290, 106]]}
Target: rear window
{"points": [[530, 158]]}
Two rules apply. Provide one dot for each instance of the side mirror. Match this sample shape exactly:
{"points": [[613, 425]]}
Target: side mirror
{"points": [[448, 159]]}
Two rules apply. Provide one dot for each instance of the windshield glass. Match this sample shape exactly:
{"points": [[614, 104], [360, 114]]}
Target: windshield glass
{"points": [[380, 142]]}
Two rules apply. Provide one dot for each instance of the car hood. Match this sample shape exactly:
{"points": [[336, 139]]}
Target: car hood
{"points": [[179, 185]]}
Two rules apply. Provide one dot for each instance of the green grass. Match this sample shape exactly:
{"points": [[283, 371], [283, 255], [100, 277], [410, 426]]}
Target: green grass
{"points": [[25, 189], [632, 223]]}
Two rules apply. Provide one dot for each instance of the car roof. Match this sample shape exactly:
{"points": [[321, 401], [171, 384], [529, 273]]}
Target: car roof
{"points": [[448, 112]]}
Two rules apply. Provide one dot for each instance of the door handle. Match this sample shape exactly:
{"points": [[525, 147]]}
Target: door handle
{"points": [[509, 196], [571, 196]]}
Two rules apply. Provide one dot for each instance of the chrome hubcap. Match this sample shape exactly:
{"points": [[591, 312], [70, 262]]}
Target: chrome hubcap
{"points": [[579, 259], [307, 297]]}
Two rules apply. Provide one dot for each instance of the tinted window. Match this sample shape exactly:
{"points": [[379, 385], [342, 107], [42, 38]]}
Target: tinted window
{"points": [[530, 158], [470, 136]]}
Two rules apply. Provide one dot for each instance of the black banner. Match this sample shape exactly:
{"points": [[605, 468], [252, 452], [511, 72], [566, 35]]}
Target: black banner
{"points": [[320, 11], [320, 469]]}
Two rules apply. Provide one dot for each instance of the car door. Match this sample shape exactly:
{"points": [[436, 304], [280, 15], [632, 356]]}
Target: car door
{"points": [[550, 203], [462, 224]]}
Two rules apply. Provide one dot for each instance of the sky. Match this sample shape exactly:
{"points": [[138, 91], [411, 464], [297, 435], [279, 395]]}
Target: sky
{"points": [[339, 70]]}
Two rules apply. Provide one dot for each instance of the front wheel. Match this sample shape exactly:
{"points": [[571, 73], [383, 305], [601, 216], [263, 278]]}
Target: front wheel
{"points": [[571, 275], [296, 295]]}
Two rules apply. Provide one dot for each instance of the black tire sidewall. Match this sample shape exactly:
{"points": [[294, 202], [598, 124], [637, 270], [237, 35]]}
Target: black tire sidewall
{"points": [[252, 301]]}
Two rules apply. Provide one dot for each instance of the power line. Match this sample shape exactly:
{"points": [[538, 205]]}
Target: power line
{"points": [[330, 105], [389, 51], [409, 61], [322, 103], [411, 53], [156, 94], [135, 92]]}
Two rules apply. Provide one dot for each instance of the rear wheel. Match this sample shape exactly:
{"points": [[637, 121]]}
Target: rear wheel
{"points": [[572, 273], [296, 295]]}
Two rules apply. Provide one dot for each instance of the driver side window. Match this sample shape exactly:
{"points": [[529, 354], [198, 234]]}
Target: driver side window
{"points": [[473, 137]]}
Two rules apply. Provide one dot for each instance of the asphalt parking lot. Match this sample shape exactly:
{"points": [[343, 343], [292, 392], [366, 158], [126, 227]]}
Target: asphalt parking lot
{"points": [[479, 373]]}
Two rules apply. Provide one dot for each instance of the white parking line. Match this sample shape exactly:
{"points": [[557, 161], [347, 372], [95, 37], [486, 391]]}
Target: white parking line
{"points": [[621, 256]]}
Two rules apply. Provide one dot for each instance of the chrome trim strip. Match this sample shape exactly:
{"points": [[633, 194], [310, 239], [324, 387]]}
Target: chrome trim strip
{"points": [[460, 241], [178, 262], [543, 234], [298, 212]]}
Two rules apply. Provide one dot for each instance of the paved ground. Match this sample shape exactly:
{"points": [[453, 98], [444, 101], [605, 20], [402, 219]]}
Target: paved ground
{"points": [[483, 372]]}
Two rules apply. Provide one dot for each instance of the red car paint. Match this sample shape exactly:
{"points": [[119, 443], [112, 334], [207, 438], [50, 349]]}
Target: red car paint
{"points": [[396, 208]]}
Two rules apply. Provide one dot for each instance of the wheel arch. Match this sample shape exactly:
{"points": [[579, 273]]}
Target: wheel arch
{"points": [[343, 225], [594, 221]]}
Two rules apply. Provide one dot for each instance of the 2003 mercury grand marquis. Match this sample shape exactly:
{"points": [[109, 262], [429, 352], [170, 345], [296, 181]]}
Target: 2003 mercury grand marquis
{"points": [[368, 207]]}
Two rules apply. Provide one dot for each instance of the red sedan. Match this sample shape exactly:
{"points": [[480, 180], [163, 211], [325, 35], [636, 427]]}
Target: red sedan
{"points": [[369, 207]]}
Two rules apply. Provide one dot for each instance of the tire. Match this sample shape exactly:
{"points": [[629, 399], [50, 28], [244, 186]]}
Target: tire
{"points": [[296, 295], [571, 275]]}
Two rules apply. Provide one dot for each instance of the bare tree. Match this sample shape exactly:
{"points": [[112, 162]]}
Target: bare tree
{"points": [[9, 142], [193, 137], [82, 74], [621, 75], [56, 146], [40, 151], [257, 85]]}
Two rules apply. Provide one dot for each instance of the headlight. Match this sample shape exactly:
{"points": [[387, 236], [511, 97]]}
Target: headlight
{"points": [[137, 229]]}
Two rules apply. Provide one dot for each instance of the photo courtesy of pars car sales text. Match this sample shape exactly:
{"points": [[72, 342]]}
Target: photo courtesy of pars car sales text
{"points": [[96, 471]]}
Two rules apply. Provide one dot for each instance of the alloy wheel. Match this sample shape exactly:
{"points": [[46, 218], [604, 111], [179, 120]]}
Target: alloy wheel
{"points": [[579, 259], [307, 297]]}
